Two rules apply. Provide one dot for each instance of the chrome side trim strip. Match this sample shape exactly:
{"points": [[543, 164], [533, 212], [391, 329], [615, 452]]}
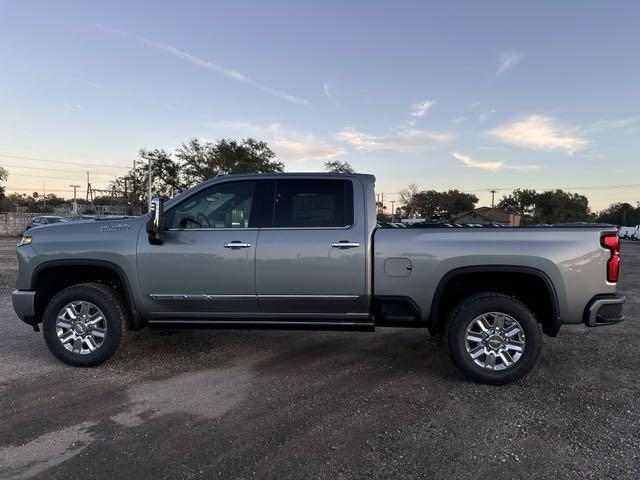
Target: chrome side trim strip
{"points": [[201, 297], [311, 297]]}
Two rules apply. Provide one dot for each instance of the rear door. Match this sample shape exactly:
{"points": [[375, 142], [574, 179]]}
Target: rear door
{"points": [[311, 263]]}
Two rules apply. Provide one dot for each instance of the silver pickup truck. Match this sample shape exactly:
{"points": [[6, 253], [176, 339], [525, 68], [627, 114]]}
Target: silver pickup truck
{"points": [[304, 251]]}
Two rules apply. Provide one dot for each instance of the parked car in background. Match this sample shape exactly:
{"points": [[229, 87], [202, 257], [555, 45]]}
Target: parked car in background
{"points": [[629, 233], [44, 220], [83, 218]]}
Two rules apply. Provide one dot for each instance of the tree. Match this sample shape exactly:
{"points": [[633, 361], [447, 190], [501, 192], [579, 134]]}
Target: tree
{"points": [[455, 202], [338, 167], [620, 214], [521, 201], [200, 161], [166, 174], [3, 178], [440, 206], [407, 196], [428, 204], [192, 163], [558, 206]]}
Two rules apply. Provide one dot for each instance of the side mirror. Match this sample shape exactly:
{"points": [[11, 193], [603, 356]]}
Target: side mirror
{"points": [[154, 224]]}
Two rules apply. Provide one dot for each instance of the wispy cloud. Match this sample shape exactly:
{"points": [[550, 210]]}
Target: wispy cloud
{"points": [[329, 94], [458, 119], [405, 140], [538, 132], [470, 162], [302, 147], [289, 145], [207, 65], [624, 123], [493, 166], [508, 59], [419, 110], [484, 116], [93, 84]]}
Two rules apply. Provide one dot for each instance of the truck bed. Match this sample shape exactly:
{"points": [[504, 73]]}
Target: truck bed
{"points": [[412, 262]]}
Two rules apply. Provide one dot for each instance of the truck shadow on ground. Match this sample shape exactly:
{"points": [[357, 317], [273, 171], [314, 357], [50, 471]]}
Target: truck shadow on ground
{"points": [[287, 352]]}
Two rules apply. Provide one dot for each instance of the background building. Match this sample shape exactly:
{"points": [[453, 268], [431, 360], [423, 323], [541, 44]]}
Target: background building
{"points": [[489, 216]]}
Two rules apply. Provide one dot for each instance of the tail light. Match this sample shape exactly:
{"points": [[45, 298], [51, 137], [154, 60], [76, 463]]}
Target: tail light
{"points": [[612, 242]]}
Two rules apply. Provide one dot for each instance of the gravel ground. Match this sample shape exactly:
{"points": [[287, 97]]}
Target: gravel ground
{"points": [[389, 404]]}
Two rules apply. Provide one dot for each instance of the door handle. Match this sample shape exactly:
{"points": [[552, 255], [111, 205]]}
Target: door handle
{"points": [[237, 244], [345, 244]]}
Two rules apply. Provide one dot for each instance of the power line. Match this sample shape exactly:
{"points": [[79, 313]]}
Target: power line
{"points": [[30, 189], [83, 164], [12, 165], [584, 187], [30, 175]]}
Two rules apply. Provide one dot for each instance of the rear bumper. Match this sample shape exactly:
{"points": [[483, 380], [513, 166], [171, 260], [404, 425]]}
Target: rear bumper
{"points": [[604, 310], [24, 305]]}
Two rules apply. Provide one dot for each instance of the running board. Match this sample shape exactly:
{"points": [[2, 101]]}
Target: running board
{"points": [[264, 325]]}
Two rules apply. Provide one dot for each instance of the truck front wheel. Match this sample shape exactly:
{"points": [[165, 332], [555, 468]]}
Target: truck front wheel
{"points": [[493, 338], [84, 324]]}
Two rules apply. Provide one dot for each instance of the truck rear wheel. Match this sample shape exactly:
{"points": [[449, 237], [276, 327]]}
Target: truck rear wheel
{"points": [[493, 338], [84, 324]]}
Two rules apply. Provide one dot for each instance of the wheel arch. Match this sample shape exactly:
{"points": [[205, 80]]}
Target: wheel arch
{"points": [[547, 314], [75, 271]]}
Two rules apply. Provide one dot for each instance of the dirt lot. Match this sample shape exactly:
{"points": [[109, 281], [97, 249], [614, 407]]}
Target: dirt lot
{"points": [[229, 404]]}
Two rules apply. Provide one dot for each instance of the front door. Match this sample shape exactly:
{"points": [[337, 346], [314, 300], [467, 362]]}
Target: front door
{"points": [[311, 264], [205, 267]]}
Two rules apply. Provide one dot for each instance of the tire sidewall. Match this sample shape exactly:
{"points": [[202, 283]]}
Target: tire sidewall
{"points": [[474, 307], [112, 319]]}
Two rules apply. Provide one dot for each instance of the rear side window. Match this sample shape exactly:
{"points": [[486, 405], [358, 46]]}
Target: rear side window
{"points": [[313, 203]]}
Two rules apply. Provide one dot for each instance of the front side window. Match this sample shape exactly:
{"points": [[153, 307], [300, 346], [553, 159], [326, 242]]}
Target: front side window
{"points": [[313, 203], [226, 205]]}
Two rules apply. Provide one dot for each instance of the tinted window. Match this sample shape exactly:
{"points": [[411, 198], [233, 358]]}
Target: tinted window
{"points": [[55, 220], [313, 203], [226, 205]]}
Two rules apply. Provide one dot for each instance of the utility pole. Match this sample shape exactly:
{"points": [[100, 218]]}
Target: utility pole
{"points": [[493, 192], [74, 208], [149, 159], [393, 210], [126, 193]]}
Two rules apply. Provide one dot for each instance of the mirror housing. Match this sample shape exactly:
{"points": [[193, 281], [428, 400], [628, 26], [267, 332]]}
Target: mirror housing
{"points": [[154, 224]]}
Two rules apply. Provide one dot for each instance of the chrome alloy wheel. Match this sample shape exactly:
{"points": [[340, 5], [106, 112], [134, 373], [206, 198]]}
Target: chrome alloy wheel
{"points": [[495, 340], [81, 327]]}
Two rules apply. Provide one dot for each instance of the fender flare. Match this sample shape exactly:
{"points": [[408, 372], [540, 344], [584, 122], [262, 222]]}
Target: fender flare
{"points": [[551, 329], [135, 320]]}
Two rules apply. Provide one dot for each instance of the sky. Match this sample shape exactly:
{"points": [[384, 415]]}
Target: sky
{"points": [[468, 95]]}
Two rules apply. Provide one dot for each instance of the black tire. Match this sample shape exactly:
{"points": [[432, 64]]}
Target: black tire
{"points": [[476, 305], [109, 301]]}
